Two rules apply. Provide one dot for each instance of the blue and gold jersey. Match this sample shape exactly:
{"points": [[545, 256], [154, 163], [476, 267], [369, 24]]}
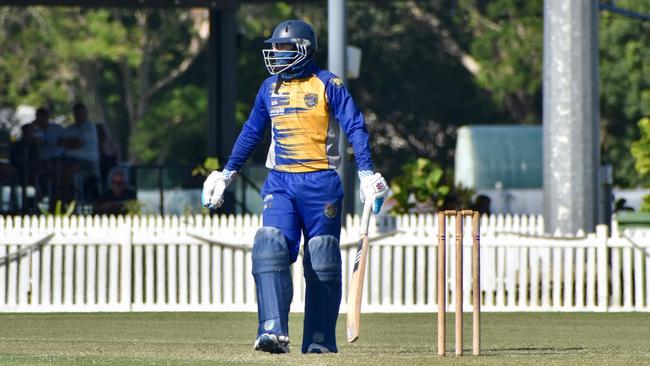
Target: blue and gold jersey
{"points": [[304, 136]]}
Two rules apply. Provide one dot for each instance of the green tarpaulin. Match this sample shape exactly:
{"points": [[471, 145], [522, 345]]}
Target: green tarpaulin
{"points": [[493, 155]]}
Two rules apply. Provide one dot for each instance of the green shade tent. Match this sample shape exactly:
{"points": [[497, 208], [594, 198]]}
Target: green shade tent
{"points": [[505, 156]]}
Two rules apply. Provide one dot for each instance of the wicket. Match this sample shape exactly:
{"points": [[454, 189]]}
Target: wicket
{"points": [[442, 280]]}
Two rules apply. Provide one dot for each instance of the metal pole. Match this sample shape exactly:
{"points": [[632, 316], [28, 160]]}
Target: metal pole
{"points": [[222, 82], [337, 63], [571, 115]]}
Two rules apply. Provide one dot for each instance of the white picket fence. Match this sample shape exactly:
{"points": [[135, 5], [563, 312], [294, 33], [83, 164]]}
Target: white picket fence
{"points": [[204, 264]]}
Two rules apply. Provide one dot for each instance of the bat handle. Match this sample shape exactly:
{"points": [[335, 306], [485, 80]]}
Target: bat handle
{"points": [[365, 217]]}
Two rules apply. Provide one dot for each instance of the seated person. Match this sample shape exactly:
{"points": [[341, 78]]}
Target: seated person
{"points": [[81, 151], [113, 200]]}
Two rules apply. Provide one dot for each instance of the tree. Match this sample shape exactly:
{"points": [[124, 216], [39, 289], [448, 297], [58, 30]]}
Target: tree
{"points": [[413, 93], [489, 49], [428, 67], [116, 61], [625, 88], [29, 72], [641, 152], [640, 148], [174, 124], [145, 50], [498, 42], [422, 80]]}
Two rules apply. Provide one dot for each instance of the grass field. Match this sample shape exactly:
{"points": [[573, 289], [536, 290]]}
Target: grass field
{"points": [[395, 339]]}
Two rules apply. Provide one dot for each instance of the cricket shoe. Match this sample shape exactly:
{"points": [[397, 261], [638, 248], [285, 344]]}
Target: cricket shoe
{"points": [[317, 348], [272, 343]]}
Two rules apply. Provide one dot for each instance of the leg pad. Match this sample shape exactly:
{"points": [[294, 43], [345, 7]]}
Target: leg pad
{"points": [[322, 260], [270, 251], [322, 264], [271, 263]]}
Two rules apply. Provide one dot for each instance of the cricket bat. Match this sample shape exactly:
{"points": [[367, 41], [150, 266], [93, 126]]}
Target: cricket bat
{"points": [[358, 274]]}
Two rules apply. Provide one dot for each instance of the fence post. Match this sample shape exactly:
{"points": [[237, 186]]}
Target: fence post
{"points": [[126, 242], [602, 270]]}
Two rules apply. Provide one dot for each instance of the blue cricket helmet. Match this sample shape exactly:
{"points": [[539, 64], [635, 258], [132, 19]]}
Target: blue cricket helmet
{"points": [[297, 33], [294, 31]]}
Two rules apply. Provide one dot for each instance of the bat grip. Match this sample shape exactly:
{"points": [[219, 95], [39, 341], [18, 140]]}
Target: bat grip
{"points": [[365, 217]]}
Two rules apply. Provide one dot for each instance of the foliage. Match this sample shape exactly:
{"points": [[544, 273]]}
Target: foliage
{"points": [[625, 88], [645, 204], [60, 210], [428, 67], [641, 148], [115, 60], [133, 207], [506, 39], [413, 93], [422, 182], [173, 130], [503, 39], [209, 165], [28, 69]]}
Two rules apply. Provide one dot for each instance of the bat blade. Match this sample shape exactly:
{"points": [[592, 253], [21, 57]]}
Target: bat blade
{"points": [[356, 290]]}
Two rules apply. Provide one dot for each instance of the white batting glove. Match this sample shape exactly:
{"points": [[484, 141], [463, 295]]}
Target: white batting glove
{"points": [[373, 187], [214, 186]]}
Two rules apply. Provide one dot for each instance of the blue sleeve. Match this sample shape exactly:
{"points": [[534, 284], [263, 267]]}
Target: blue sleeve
{"points": [[252, 132], [351, 119]]}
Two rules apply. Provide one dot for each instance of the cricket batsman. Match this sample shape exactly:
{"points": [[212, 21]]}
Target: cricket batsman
{"points": [[304, 105]]}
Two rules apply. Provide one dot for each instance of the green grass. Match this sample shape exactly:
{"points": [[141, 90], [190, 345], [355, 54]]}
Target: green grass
{"points": [[386, 339]]}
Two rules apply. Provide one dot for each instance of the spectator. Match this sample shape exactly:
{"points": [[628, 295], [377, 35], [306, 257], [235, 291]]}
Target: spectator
{"points": [[81, 153], [114, 199], [23, 155], [80, 141], [108, 152], [621, 205], [482, 204], [7, 178], [45, 136]]}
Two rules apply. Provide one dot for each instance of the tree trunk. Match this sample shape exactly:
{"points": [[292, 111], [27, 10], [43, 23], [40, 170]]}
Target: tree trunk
{"points": [[139, 87], [447, 41]]}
